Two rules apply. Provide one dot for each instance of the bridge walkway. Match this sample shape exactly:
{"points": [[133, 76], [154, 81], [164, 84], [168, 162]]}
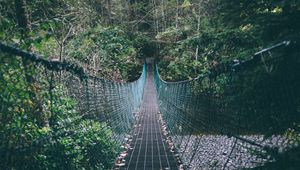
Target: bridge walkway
{"points": [[149, 150]]}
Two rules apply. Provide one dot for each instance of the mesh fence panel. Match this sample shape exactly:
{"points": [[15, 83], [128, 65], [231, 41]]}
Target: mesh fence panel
{"points": [[111, 103], [237, 116]]}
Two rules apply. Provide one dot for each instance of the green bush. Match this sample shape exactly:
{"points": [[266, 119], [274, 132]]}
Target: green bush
{"points": [[27, 142]]}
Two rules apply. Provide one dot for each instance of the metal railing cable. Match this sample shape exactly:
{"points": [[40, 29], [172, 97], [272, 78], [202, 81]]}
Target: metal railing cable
{"points": [[109, 102], [243, 114]]}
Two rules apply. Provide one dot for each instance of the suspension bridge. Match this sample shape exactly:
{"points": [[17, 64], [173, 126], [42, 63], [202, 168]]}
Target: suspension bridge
{"points": [[240, 115]]}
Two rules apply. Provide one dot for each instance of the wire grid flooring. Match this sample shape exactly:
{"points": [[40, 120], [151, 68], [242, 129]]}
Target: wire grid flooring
{"points": [[149, 148]]}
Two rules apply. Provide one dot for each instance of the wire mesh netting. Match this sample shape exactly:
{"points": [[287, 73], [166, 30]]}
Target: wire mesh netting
{"points": [[66, 89], [238, 116]]}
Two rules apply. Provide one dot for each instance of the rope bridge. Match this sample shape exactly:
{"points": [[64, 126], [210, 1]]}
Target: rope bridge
{"points": [[240, 115]]}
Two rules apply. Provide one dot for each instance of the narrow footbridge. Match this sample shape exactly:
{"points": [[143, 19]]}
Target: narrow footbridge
{"points": [[149, 147], [238, 115]]}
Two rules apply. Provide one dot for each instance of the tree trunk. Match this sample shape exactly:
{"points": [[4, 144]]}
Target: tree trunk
{"points": [[25, 29], [23, 23]]}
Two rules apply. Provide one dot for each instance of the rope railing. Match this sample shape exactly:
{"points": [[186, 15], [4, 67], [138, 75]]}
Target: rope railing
{"points": [[111, 103], [241, 115]]}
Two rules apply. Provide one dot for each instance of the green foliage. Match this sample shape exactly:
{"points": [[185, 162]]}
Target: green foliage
{"points": [[109, 50], [83, 145], [178, 59], [48, 46], [230, 30], [8, 29], [171, 34]]}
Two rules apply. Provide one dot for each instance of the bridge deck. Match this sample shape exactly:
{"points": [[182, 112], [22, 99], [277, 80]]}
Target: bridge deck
{"points": [[150, 150]]}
